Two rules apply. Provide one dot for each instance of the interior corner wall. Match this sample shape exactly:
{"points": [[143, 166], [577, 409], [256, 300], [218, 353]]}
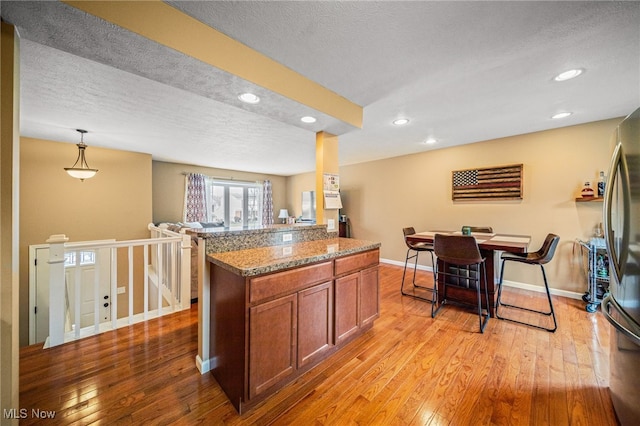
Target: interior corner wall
{"points": [[169, 183], [381, 197], [9, 221], [115, 204]]}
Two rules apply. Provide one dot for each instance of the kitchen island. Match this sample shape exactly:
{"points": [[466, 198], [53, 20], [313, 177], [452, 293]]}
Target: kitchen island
{"points": [[278, 311]]}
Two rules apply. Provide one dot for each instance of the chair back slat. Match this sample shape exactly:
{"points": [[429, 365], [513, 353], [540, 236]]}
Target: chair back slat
{"points": [[548, 249], [408, 231], [481, 229], [457, 249]]}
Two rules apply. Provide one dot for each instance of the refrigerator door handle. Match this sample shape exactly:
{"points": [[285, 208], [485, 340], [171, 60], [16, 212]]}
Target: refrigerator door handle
{"points": [[610, 301], [618, 170]]}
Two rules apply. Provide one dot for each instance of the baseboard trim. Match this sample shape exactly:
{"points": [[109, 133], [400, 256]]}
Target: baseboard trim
{"points": [[203, 366], [507, 283]]}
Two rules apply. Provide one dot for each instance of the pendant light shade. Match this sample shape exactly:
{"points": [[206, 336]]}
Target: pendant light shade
{"points": [[80, 169]]}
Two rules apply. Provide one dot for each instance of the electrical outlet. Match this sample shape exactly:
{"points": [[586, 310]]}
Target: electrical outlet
{"points": [[287, 237], [331, 224], [122, 290]]}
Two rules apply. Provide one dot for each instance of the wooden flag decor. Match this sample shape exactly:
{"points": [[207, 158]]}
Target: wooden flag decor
{"points": [[494, 183]]}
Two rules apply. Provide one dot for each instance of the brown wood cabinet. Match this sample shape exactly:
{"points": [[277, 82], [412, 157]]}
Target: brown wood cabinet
{"points": [[357, 302], [315, 323], [347, 307], [272, 343], [369, 296], [269, 329]]}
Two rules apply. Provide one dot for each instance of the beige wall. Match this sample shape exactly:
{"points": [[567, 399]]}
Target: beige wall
{"points": [[296, 185], [168, 188], [116, 203], [382, 197]]}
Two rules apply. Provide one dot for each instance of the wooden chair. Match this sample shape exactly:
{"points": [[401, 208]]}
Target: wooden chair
{"points": [[462, 265], [540, 257], [413, 250]]}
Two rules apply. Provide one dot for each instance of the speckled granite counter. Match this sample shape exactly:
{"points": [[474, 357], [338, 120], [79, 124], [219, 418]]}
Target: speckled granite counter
{"points": [[219, 240], [262, 260]]}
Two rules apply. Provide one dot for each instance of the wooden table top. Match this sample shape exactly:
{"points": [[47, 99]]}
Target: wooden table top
{"points": [[506, 242]]}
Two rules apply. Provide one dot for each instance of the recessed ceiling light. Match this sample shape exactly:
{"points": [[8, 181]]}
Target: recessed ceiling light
{"points": [[308, 119], [430, 141], [561, 115], [568, 75], [249, 98], [401, 121]]}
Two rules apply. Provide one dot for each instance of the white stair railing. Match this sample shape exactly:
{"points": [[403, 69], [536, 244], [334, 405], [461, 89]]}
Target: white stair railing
{"points": [[166, 282]]}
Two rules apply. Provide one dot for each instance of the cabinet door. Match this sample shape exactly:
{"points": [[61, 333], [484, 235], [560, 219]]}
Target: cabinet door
{"points": [[347, 306], [369, 296], [272, 343], [315, 325]]}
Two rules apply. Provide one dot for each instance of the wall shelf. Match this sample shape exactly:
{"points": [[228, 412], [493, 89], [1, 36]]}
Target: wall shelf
{"points": [[587, 199]]}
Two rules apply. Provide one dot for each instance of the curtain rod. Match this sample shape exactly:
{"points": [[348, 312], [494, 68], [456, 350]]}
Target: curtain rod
{"points": [[229, 178]]}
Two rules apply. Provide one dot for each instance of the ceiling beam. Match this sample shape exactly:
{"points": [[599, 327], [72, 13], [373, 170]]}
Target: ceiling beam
{"points": [[170, 27]]}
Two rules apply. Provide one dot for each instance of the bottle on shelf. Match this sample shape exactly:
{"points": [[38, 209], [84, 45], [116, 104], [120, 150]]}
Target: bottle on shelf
{"points": [[598, 231], [601, 183], [587, 190]]}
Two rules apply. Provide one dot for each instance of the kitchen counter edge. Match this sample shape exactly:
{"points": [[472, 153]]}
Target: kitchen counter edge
{"points": [[265, 260]]}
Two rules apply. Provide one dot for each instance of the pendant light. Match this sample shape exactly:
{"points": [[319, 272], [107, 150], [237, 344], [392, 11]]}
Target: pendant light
{"points": [[83, 171]]}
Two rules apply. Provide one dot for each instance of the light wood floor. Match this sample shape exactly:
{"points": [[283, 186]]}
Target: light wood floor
{"points": [[409, 369]]}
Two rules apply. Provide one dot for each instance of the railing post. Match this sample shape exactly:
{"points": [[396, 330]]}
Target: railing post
{"points": [[56, 289], [185, 272]]}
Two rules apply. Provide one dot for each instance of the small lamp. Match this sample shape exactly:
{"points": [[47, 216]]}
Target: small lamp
{"points": [[83, 171], [284, 214]]}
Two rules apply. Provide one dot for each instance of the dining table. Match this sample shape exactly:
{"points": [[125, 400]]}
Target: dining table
{"points": [[490, 245]]}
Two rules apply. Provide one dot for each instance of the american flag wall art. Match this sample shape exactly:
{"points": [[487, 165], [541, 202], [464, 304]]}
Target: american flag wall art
{"points": [[493, 183]]}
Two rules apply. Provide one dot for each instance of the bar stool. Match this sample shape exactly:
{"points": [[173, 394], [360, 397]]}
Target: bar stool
{"points": [[417, 248], [481, 229], [540, 257], [462, 265]]}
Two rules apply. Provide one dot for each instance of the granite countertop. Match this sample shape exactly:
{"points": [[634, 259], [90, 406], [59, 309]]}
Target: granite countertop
{"points": [[254, 229], [262, 260]]}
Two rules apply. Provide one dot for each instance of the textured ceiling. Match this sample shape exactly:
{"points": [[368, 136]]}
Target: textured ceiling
{"points": [[462, 72]]}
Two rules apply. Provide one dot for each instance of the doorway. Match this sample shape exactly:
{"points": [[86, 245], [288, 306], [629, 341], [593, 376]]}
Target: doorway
{"points": [[79, 266]]}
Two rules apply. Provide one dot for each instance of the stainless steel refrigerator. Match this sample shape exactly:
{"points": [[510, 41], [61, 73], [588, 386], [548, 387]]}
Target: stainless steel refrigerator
{"points": [[622, 234]]}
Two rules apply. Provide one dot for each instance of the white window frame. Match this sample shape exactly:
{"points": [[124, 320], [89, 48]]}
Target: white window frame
{"points": [[227, 185], [86, 258]]}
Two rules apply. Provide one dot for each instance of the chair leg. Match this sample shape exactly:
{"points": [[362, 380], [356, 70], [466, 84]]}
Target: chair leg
{"points": [[404, 273], [434, 292], [482, 323], [551, 311], [413, 280]]}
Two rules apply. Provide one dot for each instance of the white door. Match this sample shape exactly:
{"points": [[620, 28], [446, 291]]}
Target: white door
{"points": [[86, 263], [40, 310]]}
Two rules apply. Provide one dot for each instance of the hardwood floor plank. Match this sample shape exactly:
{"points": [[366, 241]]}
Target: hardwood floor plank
{"points": [[408, 369]]}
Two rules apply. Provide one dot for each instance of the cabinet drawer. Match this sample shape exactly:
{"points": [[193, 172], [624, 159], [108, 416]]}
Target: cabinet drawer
{"points": [[356, 262], [288, 281]]}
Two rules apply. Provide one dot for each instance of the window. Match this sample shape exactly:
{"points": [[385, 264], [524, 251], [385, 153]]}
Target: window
{"points": [[86, 258], [234, 204]]}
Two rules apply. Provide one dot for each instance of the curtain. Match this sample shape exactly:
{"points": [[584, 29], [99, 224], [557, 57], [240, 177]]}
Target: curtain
{"points": [[267, 203], [195, 206]]}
